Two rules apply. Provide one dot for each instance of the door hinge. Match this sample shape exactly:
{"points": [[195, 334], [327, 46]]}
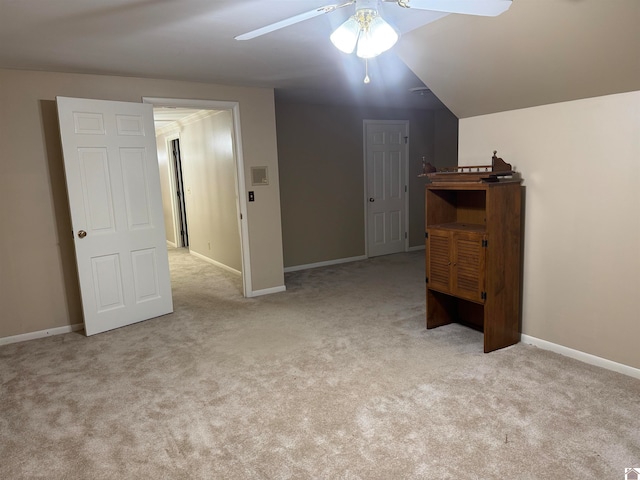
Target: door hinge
{"points": [[426, 279], [426, 234], [485, 243], [405, 189], [406, 140], [483, 295], [240, 216]]}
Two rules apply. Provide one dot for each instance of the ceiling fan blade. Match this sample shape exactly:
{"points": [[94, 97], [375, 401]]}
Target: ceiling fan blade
{"points": [[487, 8], [291, 21]]}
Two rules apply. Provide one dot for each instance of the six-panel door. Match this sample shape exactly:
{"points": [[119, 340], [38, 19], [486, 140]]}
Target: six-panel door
{"points": [[386, 165], [113, 186]]}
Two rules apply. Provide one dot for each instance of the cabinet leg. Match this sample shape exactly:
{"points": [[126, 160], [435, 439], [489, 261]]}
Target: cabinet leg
{"points": [[441, 309]]}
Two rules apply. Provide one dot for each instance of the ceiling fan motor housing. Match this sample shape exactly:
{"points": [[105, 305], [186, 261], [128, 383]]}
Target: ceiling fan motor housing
{"points": [[367, 5]]}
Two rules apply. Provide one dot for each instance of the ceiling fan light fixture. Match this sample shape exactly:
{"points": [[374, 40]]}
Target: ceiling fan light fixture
{"points": [[345, 37], [377, 37], [367, 30]]}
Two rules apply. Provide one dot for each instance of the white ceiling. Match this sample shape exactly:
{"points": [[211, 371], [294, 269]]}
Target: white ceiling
{"points": [[538, 52], [194, 40], [167, 116]]}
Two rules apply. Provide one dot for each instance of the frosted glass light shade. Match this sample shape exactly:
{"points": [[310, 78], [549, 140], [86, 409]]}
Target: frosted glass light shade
{"points": [[383, 36], [345, 36], [366, 46], [368, 30]]}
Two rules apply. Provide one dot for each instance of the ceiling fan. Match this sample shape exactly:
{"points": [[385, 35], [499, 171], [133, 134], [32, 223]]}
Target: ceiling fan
{"points": [[369, 31]]}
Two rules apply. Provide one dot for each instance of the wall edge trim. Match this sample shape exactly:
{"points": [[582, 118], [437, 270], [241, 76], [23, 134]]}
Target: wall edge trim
{"points": [[326, 263], [49, 332], [268, 291], [217, 264], [582, 356]]}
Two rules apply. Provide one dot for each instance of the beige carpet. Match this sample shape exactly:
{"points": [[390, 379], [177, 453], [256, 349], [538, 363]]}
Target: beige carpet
{"points": [[337, 378]]}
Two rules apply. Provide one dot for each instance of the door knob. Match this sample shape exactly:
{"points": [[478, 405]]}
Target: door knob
{"points": [[371, 199], [82, 233]]}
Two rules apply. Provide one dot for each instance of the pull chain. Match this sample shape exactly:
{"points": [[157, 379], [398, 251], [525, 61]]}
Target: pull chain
{"points": [[366, 71]]}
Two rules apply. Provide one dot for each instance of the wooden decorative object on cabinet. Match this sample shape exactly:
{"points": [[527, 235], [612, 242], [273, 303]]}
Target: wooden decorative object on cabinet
{"points": [[473, 251]]}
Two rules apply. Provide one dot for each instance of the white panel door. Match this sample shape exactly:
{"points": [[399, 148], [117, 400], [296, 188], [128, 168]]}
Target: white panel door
{"points": [[113, 186], [386, 170]]}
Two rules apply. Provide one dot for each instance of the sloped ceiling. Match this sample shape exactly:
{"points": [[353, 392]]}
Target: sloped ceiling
{"points": [[538, 52]]}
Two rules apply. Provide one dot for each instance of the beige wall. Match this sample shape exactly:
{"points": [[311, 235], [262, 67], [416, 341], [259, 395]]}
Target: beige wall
{"points": [[580, 162], [164, 158], [209, 170], [321, 162], [38, 280]]}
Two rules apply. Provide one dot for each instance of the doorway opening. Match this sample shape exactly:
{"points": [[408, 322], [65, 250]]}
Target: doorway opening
{"points": [[182, 231], [204, 169]]}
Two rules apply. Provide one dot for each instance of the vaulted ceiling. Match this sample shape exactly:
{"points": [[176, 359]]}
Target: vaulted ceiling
{"points": [[539, 51]]}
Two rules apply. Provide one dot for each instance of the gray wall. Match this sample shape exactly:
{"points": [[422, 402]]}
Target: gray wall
{"points": [[321, 162]]}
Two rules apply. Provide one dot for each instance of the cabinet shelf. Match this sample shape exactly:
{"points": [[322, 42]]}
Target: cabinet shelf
{"points": [[463, 227]]}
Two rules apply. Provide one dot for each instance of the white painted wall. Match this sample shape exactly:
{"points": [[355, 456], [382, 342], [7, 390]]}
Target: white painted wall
{"points": [[209, 168], [580, 162], [166, 188]]}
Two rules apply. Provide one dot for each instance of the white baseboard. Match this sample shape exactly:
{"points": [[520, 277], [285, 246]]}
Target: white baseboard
{"points": [[582, 356], [217, 264], [171, 244], [416, 248], [267, 291], [41, 334], [337, 261]]}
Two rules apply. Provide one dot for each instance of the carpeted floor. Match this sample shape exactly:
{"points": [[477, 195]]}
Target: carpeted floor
{"points": [[336, 378]]}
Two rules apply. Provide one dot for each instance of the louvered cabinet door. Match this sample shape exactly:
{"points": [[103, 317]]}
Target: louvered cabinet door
{"points": [[439, 260], [468, 266]]}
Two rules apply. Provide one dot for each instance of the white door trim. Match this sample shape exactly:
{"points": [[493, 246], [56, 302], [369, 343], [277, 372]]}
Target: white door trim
{"points": [[366, 122], [240, 178]]}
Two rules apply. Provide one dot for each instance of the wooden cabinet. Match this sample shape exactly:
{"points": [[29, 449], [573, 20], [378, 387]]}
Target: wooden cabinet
{"points": [[473, 257]]}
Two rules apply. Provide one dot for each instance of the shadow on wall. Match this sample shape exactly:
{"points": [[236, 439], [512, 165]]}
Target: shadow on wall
{"points": [[55, 164]]}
